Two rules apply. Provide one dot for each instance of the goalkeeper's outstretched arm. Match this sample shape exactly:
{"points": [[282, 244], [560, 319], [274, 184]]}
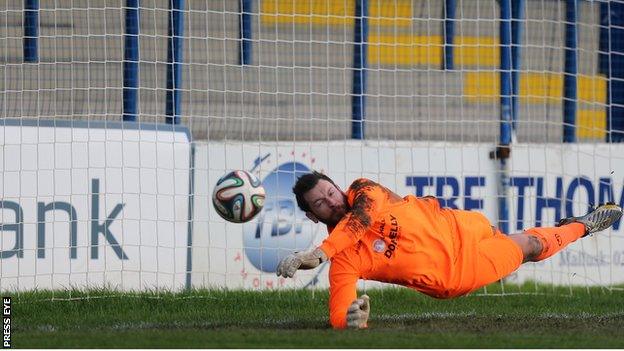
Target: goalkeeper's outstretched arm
{"points": [[344, 308]]}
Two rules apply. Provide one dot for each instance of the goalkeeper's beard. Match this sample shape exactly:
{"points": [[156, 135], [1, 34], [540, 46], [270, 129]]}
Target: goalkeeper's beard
{"points": [[337, 215]]}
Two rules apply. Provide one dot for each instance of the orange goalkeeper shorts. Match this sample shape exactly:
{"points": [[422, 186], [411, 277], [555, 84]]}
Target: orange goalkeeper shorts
{"points": [[487, 255]]}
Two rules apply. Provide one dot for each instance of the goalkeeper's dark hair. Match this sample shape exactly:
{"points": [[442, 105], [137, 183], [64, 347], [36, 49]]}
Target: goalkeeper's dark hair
{"points": [[304, 184]]}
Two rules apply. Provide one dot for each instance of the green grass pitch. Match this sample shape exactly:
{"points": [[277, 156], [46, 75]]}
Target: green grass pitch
{"points": [[526, 316]]}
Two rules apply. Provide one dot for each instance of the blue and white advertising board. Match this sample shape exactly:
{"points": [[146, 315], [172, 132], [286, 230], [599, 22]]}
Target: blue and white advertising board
{"points": [[105, 204], [94, 204], [547, 182]]}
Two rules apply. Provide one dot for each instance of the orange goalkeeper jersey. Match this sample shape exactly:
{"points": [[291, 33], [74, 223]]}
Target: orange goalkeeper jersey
{"points": [[413, 242]]}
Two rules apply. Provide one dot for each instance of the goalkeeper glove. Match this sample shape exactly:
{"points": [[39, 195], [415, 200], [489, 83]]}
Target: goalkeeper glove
{"points": [[357, 314], [300, 260]]}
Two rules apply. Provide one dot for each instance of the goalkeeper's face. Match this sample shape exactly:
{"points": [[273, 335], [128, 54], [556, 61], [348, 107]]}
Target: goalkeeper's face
{"points": [[327, 203]]}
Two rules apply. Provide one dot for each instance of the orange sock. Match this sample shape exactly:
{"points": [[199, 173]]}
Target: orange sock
{"points": [[554, 239]]}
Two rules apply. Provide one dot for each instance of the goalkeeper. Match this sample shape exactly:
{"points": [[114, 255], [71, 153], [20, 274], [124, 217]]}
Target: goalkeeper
{"points": [[377, 235]]}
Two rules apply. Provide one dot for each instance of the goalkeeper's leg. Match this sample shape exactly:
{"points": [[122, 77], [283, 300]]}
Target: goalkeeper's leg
{"points": [[499, 255], [542, 242]]}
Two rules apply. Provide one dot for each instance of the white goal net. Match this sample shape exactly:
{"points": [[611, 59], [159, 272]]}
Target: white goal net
{"points": [[409, 93]]}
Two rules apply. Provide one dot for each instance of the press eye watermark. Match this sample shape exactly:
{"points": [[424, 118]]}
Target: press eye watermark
{"points": [[6, 322]]}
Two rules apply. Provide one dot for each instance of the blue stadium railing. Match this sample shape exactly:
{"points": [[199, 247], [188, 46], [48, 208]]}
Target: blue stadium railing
{"points": [[131, 61], [611, 60]]}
